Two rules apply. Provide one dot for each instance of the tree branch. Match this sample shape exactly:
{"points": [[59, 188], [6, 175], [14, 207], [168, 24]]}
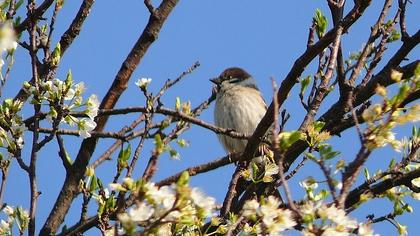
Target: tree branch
{"points": [[70, 188]]}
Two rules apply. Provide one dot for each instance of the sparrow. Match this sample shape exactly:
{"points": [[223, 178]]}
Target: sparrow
{"points": [[239, 106]]}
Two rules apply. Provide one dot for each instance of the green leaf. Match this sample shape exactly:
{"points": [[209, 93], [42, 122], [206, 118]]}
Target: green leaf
{"points": [[100, 184], [111, 202], [160, 146], [407, 208], [174, 154], [93, 184], [16, 22], [183, 179], [68, 159], [177, 103], [318, 125], [101, 208], [367, 175], [18, 4], [22, 219], [398, 210], [331, 155], [8, 102], [56, 55], [182, 142], [4, 5], [417, 70], [311, 156], [327, 152], [254, 171], [304, 83], [294, 136], [391, 163], [69, 79], [125, 154], [321, 23], [395, 35], [322, 194]]}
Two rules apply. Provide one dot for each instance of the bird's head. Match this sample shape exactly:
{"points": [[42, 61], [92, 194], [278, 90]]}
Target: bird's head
{"points": [[234, 76]]}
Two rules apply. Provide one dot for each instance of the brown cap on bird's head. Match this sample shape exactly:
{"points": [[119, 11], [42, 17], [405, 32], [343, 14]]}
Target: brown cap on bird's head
{"points": [[229, 73], [234, 72]]}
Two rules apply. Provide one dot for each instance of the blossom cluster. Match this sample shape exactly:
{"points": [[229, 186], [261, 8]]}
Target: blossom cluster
{"points": [[165, 210], [379, 129], [11, 126], [17, 216], [270, 218], [63, 98], [319, 216], [334, 221]]}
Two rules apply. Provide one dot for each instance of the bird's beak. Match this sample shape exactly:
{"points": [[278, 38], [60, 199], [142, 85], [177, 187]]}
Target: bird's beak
{"points": [[216, 81]]}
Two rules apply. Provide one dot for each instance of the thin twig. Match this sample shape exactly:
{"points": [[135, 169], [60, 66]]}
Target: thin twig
{"points": [[4, 174], [202, 168], [403, 27], [327, 173], [106, 155], [51, 30], [231, 193], [62, 153], [375, 32], [149, 6], [279, 154]]}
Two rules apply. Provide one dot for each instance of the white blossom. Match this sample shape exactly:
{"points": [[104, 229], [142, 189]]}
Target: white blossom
{"points": [[7, 37], [309, 183], [143, 82], [19, 142], [5, 227], [124, 218], [92, 106], [250, 208], [18, 128], [70, 94], [276, 219], [365, 230], [164, 196], [164, 230], [416, 182], [337, 216], [270, 170], [173, 215], [202, 200], [8, 210], [117, 186], [334, 232], [142, 212], [85, 126], [79, 88]]}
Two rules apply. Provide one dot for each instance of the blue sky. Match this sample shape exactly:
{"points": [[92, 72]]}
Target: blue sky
{"points": [[264, 37]]}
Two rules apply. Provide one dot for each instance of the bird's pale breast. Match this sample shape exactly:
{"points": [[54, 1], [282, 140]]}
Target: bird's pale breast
{"points": [[239, 108]]}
